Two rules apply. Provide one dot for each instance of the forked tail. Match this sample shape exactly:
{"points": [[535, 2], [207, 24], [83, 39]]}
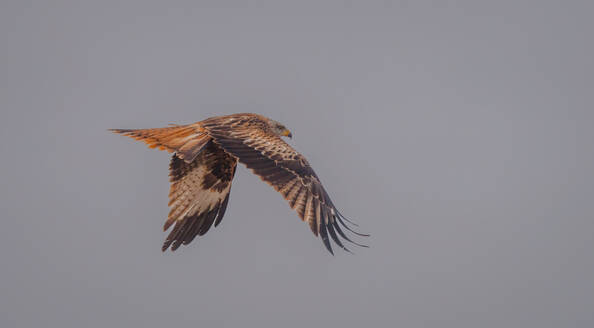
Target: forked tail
{"points": [[185, 140]]}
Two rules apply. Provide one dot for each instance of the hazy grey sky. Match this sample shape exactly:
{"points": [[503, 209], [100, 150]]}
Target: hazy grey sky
{"points": [[458, 133]]}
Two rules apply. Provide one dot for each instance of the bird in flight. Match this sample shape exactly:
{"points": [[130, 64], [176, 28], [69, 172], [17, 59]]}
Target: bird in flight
{"points": [[203, 165]]}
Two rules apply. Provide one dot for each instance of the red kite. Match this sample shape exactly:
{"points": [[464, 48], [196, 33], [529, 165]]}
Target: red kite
{"points": [[203, 166]]}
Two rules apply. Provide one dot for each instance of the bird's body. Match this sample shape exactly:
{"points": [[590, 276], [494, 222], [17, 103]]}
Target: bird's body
{"points": [[204, 163]]}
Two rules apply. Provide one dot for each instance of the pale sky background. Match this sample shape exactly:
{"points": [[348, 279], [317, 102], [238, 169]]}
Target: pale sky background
{"points": [[459, 134]]}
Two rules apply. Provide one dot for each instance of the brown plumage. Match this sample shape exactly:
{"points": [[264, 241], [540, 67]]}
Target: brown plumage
{"points": [[203, 166]]}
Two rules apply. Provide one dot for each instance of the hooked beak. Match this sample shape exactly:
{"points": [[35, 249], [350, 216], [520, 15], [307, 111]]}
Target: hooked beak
{"points": [[287, 133]]}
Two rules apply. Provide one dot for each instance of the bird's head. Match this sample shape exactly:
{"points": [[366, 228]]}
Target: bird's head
{"points": [[279, 129]]}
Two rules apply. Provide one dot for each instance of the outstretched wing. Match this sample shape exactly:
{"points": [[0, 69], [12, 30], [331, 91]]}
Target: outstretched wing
{"points": [[200, 175], [287, 171], [199, 194]]}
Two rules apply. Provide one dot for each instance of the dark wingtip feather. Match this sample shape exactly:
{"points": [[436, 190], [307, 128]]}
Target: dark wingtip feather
{"points": [[208, 221], [343, 235], [222, 210], [193, 225], [339, 219], [176, 244], [345, 218], [171, 237], [166, 245], [336, 239], [325, 239]]}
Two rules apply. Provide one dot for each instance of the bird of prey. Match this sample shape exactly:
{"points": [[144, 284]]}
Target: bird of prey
{"points": [[203, 165]]}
